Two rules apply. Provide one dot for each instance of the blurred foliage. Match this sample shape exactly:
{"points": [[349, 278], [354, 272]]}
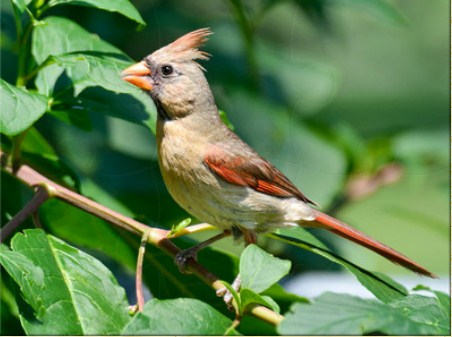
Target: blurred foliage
{"points": [[339, 94]]}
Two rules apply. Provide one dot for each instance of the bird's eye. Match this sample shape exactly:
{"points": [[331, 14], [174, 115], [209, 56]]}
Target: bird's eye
{"points": [[166, 70]]}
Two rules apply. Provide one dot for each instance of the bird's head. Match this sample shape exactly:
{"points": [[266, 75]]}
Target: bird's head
{"points": [[173, 78]]}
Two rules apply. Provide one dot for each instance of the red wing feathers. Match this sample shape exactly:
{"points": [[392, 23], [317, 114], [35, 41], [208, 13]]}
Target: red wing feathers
{"points": [[255, 173]]}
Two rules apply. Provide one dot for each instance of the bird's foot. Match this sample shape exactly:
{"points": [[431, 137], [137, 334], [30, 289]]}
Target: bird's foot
{"points": [[227, 295], [182, 259]]}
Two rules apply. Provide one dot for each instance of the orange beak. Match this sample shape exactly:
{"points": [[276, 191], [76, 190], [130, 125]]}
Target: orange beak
{"points": [[138, 75]]}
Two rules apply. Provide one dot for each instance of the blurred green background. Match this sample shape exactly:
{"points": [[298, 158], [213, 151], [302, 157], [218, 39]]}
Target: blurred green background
{"points": [[349, 98]]}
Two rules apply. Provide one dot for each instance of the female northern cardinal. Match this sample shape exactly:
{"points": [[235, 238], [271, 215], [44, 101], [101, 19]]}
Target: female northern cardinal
{"points": [[210, 171]]}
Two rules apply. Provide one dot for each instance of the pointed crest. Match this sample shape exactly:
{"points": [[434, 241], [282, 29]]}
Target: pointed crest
{"points": [[185, 48]]}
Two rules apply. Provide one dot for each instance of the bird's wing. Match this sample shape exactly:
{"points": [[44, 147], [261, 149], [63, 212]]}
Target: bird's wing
{"points": [[254, 172]]}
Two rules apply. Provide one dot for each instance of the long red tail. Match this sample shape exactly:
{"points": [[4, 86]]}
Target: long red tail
{"points": [[350, 233]]}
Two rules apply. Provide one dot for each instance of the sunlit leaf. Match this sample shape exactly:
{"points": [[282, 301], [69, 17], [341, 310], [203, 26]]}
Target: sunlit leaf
{"points": [[95, 81], [92, 232], [259, 270], [123, 7], [59, 31], [97, 69], [341, 314], [182, 316], [66, 291], [20, 108], [425, 310]]}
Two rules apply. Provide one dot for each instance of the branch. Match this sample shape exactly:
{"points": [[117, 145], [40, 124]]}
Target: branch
{"points": [[42, 194], [155, 236]]}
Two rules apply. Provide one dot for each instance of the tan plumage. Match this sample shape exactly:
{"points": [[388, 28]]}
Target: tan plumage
{"points": [[209, 170]]}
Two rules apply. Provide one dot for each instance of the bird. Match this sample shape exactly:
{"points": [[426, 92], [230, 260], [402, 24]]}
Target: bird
{"points": [[212, 173]]}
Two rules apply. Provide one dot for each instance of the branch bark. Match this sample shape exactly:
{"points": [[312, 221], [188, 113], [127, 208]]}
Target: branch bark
{"points": [[155, 236]]}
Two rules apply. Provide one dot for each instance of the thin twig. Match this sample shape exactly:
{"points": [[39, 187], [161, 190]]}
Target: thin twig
{"points": [[31, 207], [156, 236], [139, 272]]}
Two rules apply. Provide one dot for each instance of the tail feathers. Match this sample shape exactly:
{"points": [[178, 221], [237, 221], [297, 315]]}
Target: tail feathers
{"points": [[350, 233]]}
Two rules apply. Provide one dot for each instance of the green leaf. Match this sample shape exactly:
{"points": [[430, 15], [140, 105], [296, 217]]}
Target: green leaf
{"points": [[92, 232], [425, 310], [46, 80], [342, 314], [182, 316], [20, 108], [95, 80], [123, 7], [66, 291], [382, 286], [96, 69], [180, 226], [444, 303], [59, 31], [249, 297], [259, 270]]}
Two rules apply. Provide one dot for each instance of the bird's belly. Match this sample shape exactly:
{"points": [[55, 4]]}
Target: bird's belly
{"points": [[224, 205], [209, 198]]}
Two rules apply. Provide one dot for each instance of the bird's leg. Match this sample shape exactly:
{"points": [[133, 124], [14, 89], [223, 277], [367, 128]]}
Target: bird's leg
{"points": [[182, 258]]}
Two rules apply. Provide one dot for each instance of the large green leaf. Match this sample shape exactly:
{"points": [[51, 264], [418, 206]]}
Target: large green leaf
{"points": [[123, 7], [259, 270], [66, 291], [59, 31], [92, 232], [182, 316], [95, 80], [20, 108], [97, 69], [341, 314], [426, 310], [382, 286]]}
